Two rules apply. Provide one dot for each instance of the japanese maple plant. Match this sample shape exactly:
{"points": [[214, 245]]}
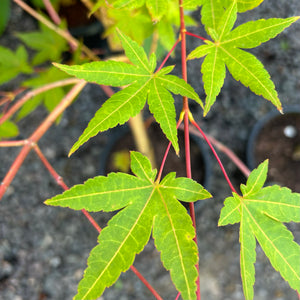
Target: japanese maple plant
{"points": [[148, 204]]}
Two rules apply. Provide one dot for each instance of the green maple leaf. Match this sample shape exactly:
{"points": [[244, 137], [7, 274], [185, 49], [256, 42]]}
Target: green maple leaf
{"points": [[144, 204], [261, 212], [47, 42], [225, 51], [143, 84], [8, 129], [50, 98], [13, 63]]}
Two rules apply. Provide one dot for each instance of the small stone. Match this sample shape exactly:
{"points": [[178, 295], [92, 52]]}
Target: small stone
{"points": [[290, 131]]}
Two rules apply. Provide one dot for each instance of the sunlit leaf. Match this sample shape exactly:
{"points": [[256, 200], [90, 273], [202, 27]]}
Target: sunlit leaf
{"points": [[218, 20], [261, 212], [144, 204]]}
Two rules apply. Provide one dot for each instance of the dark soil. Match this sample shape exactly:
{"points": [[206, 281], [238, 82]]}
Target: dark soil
{"points": [[282, 148]]}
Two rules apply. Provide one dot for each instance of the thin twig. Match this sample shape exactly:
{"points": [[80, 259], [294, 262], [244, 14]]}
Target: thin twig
{"points": [[186, 112], [221, 147], [51, 12], [35, 92], [216, 156], [38, 133], [64, 33]]}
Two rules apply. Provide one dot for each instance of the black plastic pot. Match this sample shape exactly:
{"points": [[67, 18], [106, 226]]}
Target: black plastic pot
{"points": [[121, 139], [277, 137]]}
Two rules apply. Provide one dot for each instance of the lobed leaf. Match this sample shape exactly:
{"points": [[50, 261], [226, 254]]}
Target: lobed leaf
{"points": [[144, 203], [135, 53], [173, 234], [260, 212], [214, 72], [46, 41], [246, 68], [13, 63], [254, 33], [100, 193], [184, 189], [120, 107], [219, 19], [128, 102], [178, 86], [227, 20], [126, 235], [161, 106], [247, 256], [106, 72]]}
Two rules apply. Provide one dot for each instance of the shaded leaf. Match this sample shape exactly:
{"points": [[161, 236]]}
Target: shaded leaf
{"points": [[4, 14], [13, 63], [47, 42], [8, 129]]}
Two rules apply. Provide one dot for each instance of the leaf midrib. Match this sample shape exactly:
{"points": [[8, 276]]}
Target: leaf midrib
{"points": [[121, 245], [243, 66], [252, 32], [177, 243], [84, 136], [138, 188], [270, 241]]}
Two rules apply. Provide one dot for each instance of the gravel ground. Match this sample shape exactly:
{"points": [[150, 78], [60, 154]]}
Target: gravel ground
{"points": [[43, 250]]}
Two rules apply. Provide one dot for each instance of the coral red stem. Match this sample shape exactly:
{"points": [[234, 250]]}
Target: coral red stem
{"points": [[186, 129], [216, 156], [196, 35]]}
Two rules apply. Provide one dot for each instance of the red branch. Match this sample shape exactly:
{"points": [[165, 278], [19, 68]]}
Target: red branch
{"points": [[196, 35], [216, 156], [38, 133], [186, 129], [231, 155]]}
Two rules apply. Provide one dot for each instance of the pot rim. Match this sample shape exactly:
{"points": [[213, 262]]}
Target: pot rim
{"points": [[250, 157]]}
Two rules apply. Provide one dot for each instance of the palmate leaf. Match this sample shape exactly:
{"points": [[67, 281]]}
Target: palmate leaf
{"points": [[144, 204], [261, 212], [225, 49], [143, 85]]}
